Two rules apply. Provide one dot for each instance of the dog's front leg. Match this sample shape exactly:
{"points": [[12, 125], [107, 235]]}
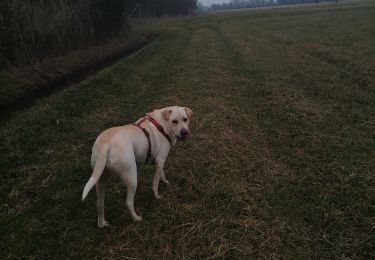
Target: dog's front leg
{"points": [[155, 183]]}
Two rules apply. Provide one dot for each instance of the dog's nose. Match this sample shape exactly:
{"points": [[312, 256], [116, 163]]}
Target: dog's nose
{"points": [[184, 133]]}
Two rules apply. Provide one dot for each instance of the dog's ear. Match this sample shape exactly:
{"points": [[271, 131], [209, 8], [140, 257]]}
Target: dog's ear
{"points": [[189, 112], [166, 114]]}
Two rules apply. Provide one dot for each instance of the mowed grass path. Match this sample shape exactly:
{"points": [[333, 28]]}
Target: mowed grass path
{"points": [[281, 161]]}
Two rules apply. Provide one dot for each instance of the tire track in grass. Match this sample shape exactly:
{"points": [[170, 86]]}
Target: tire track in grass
{"points": [[221, 147], [222, 199], [327, 200], [240, 163], [342, 111], [313, 81]]}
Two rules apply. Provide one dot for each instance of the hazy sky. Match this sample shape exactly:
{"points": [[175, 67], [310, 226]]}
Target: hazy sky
{"points": [[210, 2]]}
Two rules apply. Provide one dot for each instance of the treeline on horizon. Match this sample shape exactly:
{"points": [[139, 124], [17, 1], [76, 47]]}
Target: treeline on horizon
{"points": [[31, 31], [238, 4], [161, 7]]}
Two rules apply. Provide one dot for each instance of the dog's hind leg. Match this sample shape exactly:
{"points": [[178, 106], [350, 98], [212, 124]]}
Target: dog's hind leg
{"points": [[163, 177], [129, 178], [100, 194]]}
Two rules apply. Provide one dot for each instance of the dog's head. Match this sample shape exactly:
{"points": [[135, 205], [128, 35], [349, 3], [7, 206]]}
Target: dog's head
{"points": [[177, 119]]}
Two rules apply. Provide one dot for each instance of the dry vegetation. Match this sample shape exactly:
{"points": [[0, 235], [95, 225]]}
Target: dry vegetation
{"points": [[47, 44], [31, 31], [281, 161], [20, 87]]}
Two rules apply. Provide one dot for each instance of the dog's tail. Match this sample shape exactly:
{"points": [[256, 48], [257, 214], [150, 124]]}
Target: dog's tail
{"points": [[100, 163]]}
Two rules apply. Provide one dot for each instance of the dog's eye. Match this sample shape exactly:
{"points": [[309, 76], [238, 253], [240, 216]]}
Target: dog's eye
{"points": [[185, 119], [174, 121]]}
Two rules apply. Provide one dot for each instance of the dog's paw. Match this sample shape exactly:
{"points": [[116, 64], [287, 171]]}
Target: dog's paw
{"points": [[137, 218], [104, 224], [158, 197]]}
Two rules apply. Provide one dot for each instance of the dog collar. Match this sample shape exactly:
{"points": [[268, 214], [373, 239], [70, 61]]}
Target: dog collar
{"points": [[160, 128]]}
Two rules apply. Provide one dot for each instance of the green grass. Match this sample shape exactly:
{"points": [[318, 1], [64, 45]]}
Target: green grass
{"points": [[281, 161]]}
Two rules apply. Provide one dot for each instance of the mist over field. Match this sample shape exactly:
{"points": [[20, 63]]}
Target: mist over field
{"points": [[210, 2]]}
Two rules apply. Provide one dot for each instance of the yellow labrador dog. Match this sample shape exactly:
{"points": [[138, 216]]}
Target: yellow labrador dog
{"points": [[120, 149]]}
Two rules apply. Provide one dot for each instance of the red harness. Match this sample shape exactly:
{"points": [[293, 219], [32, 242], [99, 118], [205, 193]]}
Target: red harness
{"points": [[147, 134]]}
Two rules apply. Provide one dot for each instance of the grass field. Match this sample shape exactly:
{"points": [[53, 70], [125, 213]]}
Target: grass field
{"points": [[281, 163]]}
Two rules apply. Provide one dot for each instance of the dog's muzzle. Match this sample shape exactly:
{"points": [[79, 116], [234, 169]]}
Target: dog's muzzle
{"points": [[183, 134]]}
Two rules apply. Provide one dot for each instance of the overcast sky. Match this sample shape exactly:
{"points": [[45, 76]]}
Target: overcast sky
{"points": [[210, 2]]}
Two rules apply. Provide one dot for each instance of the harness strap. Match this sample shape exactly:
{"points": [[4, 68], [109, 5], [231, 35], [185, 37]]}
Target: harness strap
{"points": [[147, 134]]}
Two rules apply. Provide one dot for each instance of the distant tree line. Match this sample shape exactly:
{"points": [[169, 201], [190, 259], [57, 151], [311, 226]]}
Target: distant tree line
{"points": [[292, 2], [161, 7], [238, 4]]}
